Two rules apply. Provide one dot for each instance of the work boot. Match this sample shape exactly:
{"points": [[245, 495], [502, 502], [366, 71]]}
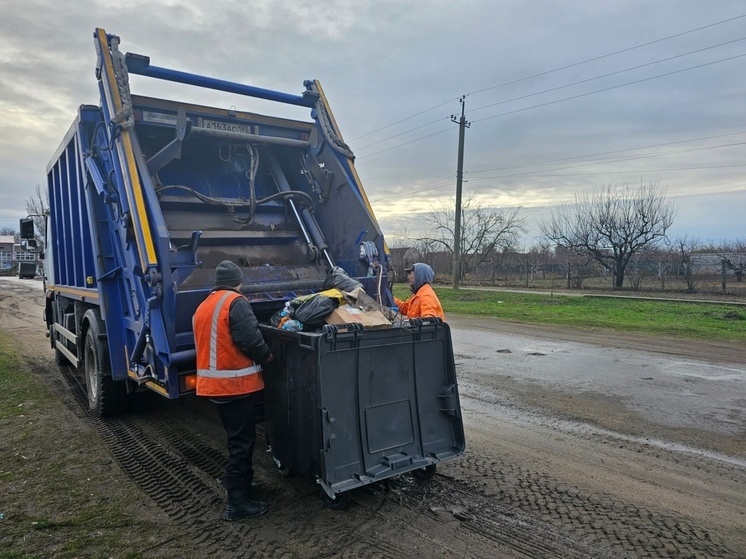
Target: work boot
{"points": [[240, 506]]}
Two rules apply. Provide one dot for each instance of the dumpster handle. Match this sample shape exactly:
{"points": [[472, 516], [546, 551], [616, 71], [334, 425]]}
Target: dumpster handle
{"points": [[429, 324], [343, 332]]}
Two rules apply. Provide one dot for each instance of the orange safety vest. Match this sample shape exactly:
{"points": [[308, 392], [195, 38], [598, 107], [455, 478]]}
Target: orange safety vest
{"points": [[222, 369]]}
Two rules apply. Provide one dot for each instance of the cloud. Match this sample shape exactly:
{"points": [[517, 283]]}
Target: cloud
{"points": [[384, 62]]}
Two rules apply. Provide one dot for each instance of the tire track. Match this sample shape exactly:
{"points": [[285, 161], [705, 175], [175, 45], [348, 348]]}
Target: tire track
{"points": [[599, 518], [472, 507]]}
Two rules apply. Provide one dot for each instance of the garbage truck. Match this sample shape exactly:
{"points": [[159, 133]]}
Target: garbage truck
{"points": [[148, 195]]}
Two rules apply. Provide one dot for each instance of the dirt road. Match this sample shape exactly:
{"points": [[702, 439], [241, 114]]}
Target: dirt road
{"points": [[580, 444]]}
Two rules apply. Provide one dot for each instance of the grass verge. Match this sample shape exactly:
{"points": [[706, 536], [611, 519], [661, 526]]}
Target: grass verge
{"points": [[61, 494], [701, 321]]}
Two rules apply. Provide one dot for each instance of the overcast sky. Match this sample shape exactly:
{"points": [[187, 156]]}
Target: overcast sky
{"points": [[563, 96]]}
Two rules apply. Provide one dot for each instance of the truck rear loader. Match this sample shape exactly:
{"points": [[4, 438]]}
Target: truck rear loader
{"points": [[147, 196]]}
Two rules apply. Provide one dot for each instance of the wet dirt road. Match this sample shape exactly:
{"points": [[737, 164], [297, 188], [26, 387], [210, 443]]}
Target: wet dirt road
{"points": [[579, 444]]}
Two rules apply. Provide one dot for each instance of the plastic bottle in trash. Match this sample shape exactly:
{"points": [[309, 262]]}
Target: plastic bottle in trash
{"points": [[292, 325]]}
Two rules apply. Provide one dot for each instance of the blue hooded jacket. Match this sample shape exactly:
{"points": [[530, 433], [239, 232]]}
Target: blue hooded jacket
{"points": [[422, 274]]}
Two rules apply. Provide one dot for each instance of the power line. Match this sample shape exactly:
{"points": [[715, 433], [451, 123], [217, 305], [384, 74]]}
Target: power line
{"points": [[613, 87], [614, 160], [405, 119], [548, 161], [636, 172], [400, 134], [643, 171], [609, 74], [435, 186], [546, 72], [406, 143], [558, 88], [610, 54], [586, 94]]}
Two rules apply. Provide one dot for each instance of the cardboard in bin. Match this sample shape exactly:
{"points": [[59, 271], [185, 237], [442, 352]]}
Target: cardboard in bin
{"points": [[350, 314]]}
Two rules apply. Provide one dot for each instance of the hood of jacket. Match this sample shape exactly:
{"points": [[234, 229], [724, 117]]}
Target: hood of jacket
{"points": [[422, 274]]}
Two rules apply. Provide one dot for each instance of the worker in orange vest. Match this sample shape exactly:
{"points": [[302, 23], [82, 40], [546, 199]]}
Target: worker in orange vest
{"points": [[423, 302], [231, 355]]}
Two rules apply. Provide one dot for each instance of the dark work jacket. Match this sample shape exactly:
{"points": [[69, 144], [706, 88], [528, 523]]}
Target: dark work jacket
{"points": [[245, 330]]}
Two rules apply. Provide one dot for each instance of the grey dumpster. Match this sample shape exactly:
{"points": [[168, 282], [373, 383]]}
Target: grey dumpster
{"points": [[349, 406]]}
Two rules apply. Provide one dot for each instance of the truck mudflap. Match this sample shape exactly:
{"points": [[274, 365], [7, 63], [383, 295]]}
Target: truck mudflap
{"points": [[348, 406]]}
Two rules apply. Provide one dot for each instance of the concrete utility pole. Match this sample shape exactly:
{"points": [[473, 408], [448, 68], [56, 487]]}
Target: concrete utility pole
{"points": [[462, 126]]}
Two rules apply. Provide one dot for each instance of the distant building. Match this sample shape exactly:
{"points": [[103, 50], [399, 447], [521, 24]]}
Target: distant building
{"points": [[7, 244], [12, 253]]}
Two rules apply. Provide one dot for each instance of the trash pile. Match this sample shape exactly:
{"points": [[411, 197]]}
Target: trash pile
{"points": [[342, 301]]}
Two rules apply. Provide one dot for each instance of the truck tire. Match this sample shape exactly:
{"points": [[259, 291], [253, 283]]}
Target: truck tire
{"points": [[105, 395]]}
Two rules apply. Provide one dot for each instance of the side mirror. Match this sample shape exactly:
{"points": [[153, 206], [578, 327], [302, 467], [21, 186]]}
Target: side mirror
{"points": [[27, 229]]}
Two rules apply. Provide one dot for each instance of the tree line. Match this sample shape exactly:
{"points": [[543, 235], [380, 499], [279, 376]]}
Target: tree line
{"points": [[618, 231]]}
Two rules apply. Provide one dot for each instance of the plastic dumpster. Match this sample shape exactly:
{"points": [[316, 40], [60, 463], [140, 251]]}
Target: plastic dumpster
{"points": [[349, 406]]}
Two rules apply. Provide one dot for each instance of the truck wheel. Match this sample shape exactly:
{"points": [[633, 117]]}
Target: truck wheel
{"points": [[105, 395], [341, 502], [424, 474]]}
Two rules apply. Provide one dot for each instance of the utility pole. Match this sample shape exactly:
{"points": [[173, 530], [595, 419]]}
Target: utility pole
{"points": [[462, 126]]}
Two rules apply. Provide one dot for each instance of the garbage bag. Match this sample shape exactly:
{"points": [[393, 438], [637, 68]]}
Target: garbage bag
{"points": [[283, 314], [312, 311], [337, 277]]}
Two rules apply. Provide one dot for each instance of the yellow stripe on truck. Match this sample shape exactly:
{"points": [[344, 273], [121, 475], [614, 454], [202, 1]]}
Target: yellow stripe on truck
{"points": [[135, 196]]}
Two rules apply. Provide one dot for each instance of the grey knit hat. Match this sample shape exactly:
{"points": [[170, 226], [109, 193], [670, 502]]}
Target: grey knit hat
{"points": [[227, 273]]}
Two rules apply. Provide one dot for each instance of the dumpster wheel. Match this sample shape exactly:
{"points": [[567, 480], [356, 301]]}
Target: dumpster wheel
{"points": [[340, 502], [282, 470], [424, 474]]}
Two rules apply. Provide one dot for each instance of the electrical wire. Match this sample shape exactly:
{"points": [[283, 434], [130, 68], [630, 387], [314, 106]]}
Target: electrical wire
{"points": [[606, 75], [614, 87], [405, 119], [586, 94], [554, 70], [601, 57], [614, 160], [549, 161]]}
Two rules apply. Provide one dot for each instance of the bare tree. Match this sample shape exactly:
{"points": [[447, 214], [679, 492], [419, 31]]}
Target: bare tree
{"points": [[733, 257], [685, 247], [484, 229], [612, 225], [8, 231], [533, 261], [577, 266], [662, 260], [37, 206]]}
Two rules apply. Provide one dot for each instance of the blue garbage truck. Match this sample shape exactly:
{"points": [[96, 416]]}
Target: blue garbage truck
{"points": [[148, 195]]}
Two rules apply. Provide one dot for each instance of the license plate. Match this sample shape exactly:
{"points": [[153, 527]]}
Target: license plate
{"points": [[226, 126]]}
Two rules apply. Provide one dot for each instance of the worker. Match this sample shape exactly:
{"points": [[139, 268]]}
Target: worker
{"points": [[231, 355], [423, 302]]}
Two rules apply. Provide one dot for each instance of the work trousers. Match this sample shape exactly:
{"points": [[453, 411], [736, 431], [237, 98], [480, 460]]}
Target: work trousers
{"points": [[239, 419]]}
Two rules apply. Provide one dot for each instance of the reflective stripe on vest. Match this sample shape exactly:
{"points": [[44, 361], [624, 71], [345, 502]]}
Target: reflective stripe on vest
{"points": [[214, 373], [214, 331]]}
